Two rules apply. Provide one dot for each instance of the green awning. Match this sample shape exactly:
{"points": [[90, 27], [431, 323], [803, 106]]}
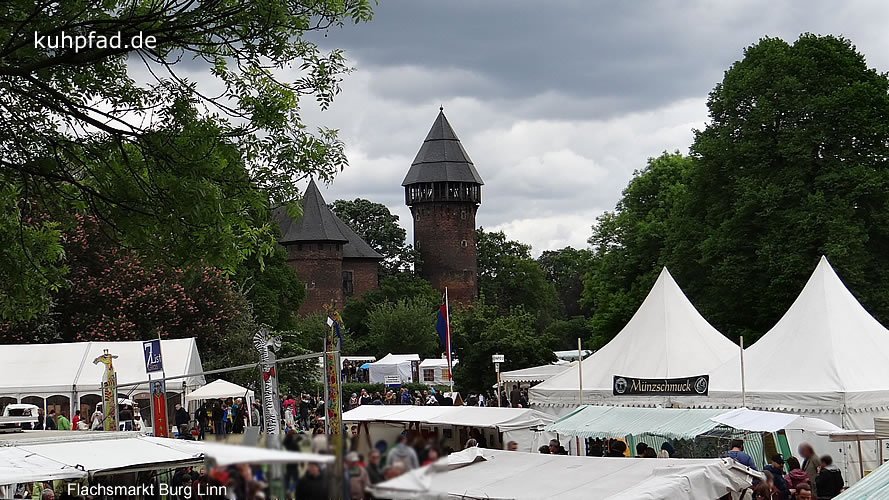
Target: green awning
{"points": [[618, 422], [874, 485]]}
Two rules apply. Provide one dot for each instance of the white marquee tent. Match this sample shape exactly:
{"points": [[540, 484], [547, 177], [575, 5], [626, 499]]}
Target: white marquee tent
{"points": [[437, 368], [486, 473], [535, 374], [67, 369], [665, 338], [220, 389], [392, 365]]}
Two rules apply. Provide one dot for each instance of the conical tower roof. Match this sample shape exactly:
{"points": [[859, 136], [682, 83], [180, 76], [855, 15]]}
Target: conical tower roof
{"points": [[442, 158], [317, 223]]}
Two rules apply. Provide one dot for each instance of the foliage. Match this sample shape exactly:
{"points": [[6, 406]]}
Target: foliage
{"points": [[399, 286], [274, 290], [378, 228], [159, 162], [402, 327], [565, 332], [793, 165], [508, 277], [565, 269], [479, 331], [628, 243]]}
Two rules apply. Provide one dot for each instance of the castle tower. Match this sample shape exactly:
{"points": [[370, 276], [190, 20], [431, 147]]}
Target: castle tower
{"points": [[331, 259], [443, 190]]}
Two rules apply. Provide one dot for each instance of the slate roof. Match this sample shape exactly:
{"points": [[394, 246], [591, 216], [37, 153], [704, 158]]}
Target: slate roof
{"points": [[442, 158], [318, 223]]}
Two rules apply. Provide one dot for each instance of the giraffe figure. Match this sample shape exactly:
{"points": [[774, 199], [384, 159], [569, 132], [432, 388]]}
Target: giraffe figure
{"points": [[266, 344], [109, 405]]}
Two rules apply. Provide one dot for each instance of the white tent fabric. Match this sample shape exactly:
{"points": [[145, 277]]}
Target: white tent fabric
{"points": [[439, 367], [666, 338], [767, 421], [534, 374], [486, 473], [392, 365], [226, 454], [65, 369], [219, 389], [22, 466]]}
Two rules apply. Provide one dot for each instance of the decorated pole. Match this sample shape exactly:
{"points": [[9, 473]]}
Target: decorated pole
{"points": [[109, 391], [334, 398], [267, 344]]}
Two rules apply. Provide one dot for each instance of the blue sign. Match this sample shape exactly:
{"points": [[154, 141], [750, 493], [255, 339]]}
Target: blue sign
{"points": [[152, 351]]}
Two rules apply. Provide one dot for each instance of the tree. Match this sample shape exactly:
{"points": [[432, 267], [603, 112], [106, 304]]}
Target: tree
{"points": [[479, 331], [399, 286], [564, 334], [565, 269], [155, 162], [378, 228], [629, 243], [402, 327], [274, 290], [509, 277]]}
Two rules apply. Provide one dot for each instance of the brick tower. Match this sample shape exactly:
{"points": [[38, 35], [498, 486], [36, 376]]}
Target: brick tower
{"points": [[443, 190]]}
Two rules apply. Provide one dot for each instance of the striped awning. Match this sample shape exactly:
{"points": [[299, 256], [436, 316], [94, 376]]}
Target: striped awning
{"points": [[874, 486]]}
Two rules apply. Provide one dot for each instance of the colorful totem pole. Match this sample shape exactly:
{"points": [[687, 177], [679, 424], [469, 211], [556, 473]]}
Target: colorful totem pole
{"points": [[266, 344], [109, 391]]}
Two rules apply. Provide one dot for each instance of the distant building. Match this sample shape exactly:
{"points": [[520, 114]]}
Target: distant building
{"points": [[332, 261], [443, 190]]}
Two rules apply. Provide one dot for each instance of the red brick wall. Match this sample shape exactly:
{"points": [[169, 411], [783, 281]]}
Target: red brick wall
{"points": [[440, 230], [321, 269], [364, 275]]}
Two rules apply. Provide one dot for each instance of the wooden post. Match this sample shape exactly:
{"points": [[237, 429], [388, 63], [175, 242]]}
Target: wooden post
{"points": [[743, 382], [579, 384]]}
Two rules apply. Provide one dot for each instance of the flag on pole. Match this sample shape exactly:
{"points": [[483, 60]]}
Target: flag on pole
{"points": [[443, 327]]}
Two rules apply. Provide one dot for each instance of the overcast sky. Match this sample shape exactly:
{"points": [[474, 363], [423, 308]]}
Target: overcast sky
{"points": [[557, 103]]}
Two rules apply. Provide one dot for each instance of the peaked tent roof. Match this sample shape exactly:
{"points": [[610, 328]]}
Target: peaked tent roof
{"points": [[318, 223], [442, 158], [826, 327], [666, 338], [219, 389], [535, 373]]}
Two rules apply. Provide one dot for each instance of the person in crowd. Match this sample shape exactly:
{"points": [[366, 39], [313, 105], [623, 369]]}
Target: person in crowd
{"points": [[739, 455], [804, 492], [313, 484], [403, 453], [515, 396], [51, 420], [405, 396], [185, 433], [470, 443], [63, 423], [394, 470], [667, 449], [512, 446], [544, 450], [830, 480], [640, 449], [616, 448], [97, 421], [126, 417], [374, 469], [353, 401], [289, 421], [48, 494], [200, 416], [75, 420], [257, 415], [41, 420], [776, 469], [359, 481], [289, 402], [762, 492], [291, 470], [431, 456], [479, 437], [364, 398], [181, 416], [811, 461], [796, 475], [649, 453], [219, 421], [138, 424]]}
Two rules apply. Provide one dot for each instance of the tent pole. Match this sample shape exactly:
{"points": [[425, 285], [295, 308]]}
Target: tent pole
{"points": [[743, 382], [579, 383], [860, 460], [881, 452]]}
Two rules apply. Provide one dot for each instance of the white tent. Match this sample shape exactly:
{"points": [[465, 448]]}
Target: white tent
{"points": [[435, 371], [535, 374], [398, 365], [666, 338], [486, 473], [67, 369], [220, 389], [516, 424]]}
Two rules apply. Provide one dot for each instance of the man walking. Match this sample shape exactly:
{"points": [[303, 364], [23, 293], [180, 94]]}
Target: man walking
{"points": [[51, 420], [810, 465]]}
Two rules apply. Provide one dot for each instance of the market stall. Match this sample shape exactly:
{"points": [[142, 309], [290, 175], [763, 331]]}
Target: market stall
{"points": [[393, 365]]}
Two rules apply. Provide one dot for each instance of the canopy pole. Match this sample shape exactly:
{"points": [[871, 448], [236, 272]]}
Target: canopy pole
{"points": [[860, 460], [579, 383], [743, 382]]}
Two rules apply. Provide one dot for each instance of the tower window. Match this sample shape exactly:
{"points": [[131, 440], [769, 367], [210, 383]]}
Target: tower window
{"points": [[463, 243], [348, 286], [463, 214], [417, 244]]}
